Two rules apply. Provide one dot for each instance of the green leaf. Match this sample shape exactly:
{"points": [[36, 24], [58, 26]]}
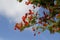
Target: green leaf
{"points": [[51, 30], [19, 0], [40, 27], [58, 31], [58, 23], [22, 29], [33, 21]]}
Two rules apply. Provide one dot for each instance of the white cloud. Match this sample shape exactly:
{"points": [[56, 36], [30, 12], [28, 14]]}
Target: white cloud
{"points": [[13, 10]]}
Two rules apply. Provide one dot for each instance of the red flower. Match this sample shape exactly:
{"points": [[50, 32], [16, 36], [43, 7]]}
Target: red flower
{"points": [[27, 3], [30, 12], [30, 17], [26, 15], [38, 32], [23, 18], [26, 23]]}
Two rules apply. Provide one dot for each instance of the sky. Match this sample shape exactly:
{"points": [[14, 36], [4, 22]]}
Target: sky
{"points": [[11, 12]]}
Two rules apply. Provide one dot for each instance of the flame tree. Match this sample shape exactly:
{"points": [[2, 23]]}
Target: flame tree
{"points": [[49, 22]]}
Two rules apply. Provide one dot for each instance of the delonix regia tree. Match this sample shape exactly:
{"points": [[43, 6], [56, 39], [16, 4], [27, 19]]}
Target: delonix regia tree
{"points": [[49, 22]]}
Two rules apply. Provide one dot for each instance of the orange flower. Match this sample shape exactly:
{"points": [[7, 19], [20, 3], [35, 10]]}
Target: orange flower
{"points": [[45, 24], [58, 16], [18, 26], [58, 29]]}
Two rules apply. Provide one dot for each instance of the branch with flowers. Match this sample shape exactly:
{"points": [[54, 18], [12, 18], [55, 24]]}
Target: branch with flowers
{"points": [[47, 22]]}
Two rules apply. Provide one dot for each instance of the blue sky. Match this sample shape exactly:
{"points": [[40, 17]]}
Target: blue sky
{"points": [[7, 32], [10, 10]]}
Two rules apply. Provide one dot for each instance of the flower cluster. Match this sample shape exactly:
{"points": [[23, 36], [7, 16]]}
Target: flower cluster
{"points": [[25, 21], [50, 22]]}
